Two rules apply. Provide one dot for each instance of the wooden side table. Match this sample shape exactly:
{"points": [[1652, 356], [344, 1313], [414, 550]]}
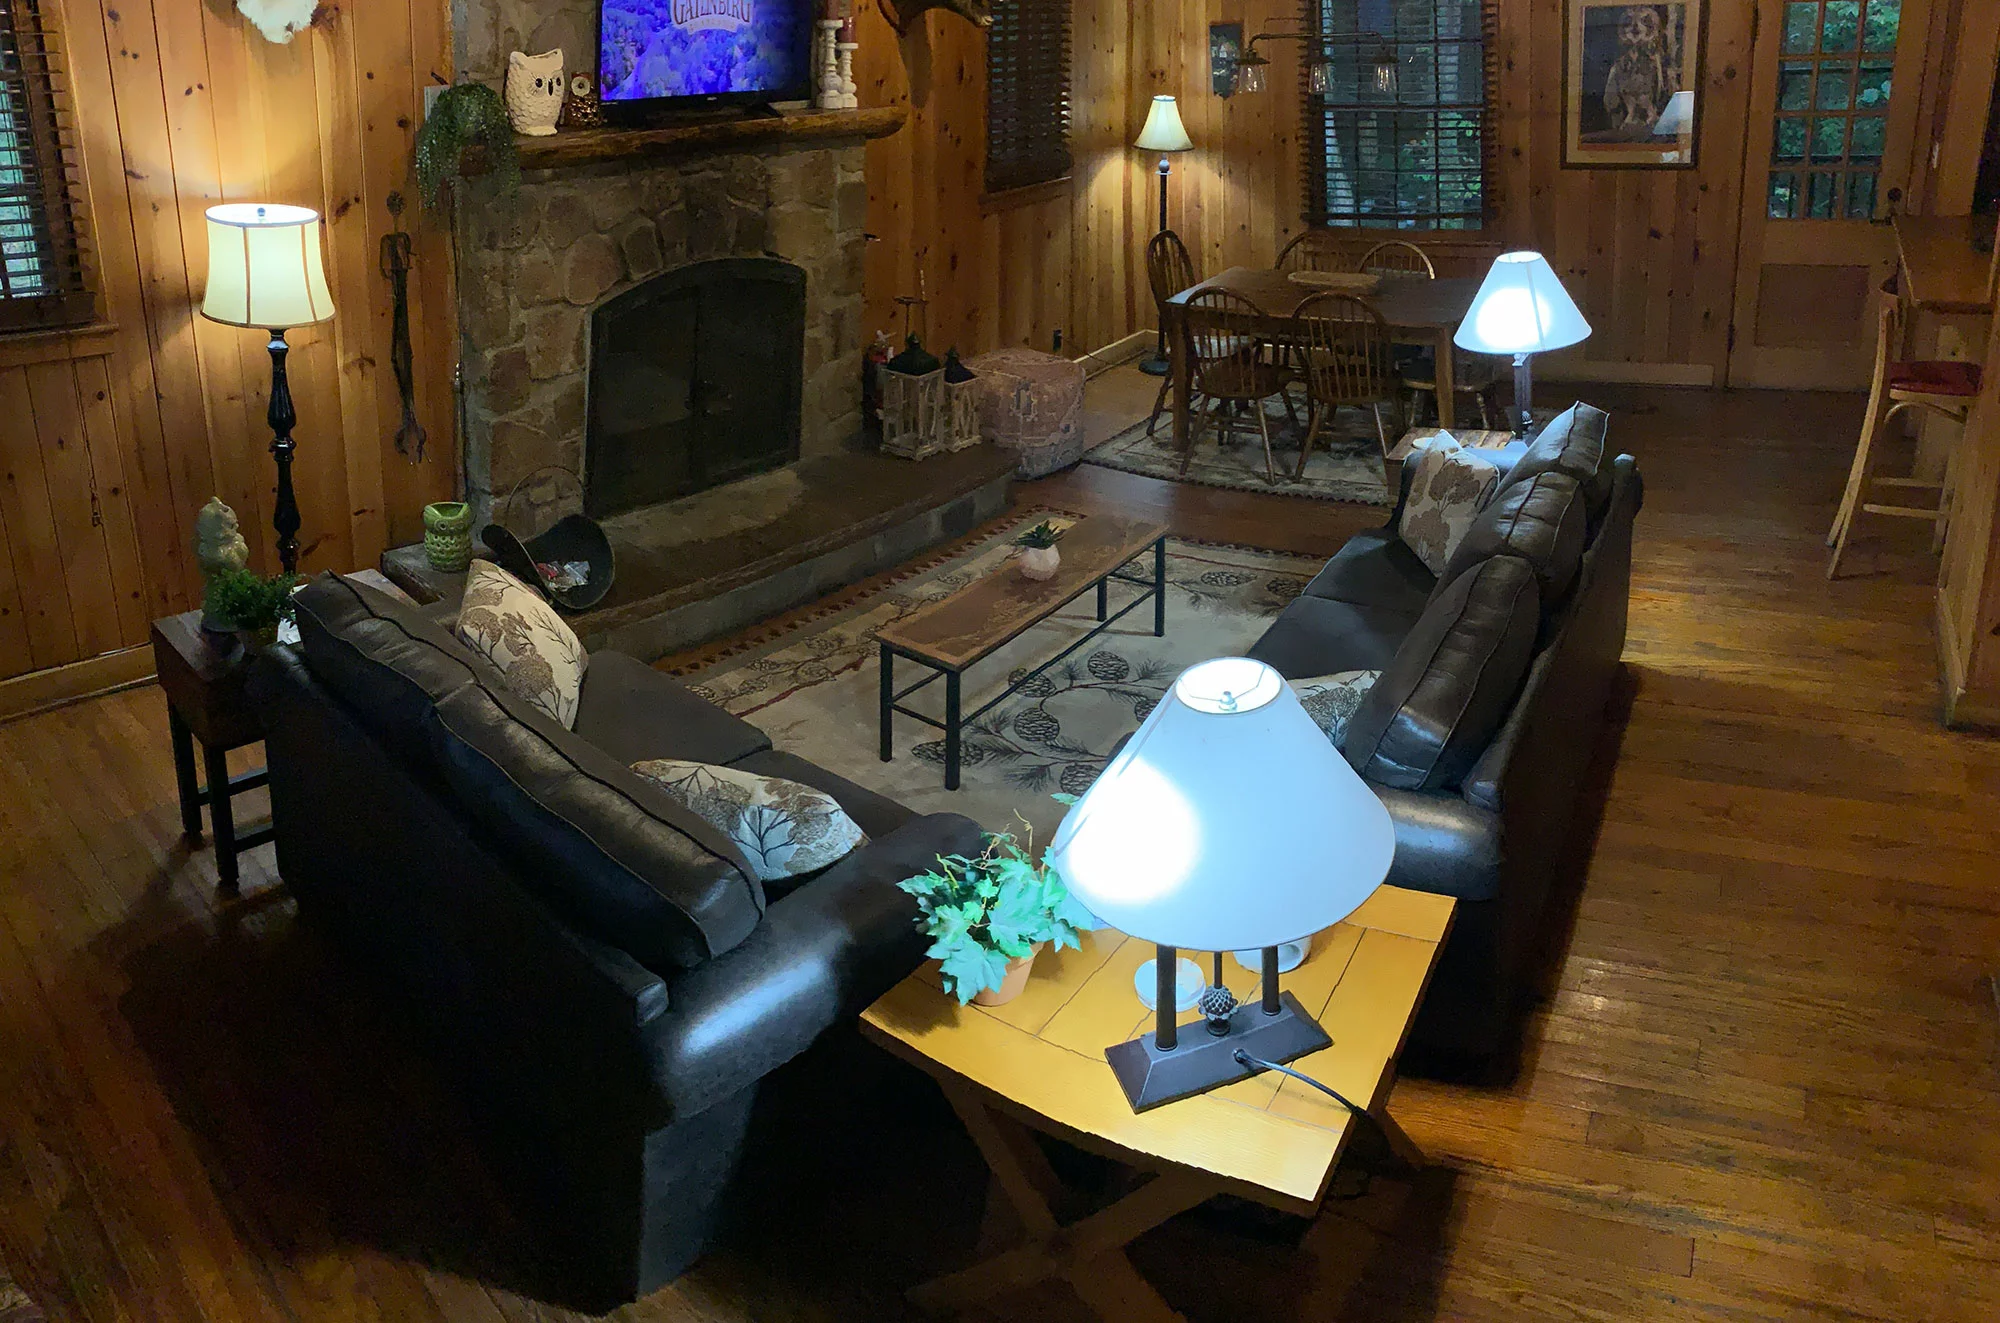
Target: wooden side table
{"points": [[1037, 1063], [202, 675]]}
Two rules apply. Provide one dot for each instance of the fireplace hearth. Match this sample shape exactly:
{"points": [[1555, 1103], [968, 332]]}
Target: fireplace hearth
{"points": [[695, 381]]}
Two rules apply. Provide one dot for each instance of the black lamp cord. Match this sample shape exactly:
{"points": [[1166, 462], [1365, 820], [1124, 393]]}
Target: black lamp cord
{"points": [[1245, 1059]]}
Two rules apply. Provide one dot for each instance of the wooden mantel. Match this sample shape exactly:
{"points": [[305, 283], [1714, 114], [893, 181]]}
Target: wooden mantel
{"points": [[590, 146]]}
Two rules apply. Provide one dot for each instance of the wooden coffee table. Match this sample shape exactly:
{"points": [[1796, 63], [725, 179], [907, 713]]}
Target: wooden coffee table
{"points": [[1038, 1063], [952, 635]]}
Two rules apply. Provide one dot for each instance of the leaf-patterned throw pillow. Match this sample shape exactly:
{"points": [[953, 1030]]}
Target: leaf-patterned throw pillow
{"points": [[785, 828], [508, 623], [1450, 486], [1332, 700]]}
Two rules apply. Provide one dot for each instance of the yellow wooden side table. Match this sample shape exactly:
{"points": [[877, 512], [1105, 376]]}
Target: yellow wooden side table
{"points": [[1037, 1063]]}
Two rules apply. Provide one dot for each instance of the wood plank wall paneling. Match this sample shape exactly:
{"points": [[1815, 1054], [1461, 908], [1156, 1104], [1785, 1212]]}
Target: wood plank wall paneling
{"points": [[181, 104], [1649, 254]]}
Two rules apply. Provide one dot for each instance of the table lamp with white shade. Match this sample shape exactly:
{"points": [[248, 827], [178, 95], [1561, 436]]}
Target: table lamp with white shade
{"points": [[1228, 821], [1677, 121], [265, 269], [1163, 133], [1521, 310]]}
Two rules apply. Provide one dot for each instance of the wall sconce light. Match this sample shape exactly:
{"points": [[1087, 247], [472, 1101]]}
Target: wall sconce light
{"points": [[1385, 70], [1251, 70]]}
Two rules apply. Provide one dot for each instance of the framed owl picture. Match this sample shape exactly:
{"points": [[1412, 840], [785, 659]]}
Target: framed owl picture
{"points": [[1632, 83]]}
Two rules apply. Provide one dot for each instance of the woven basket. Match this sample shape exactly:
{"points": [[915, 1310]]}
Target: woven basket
{"points": [[1031, 403]]}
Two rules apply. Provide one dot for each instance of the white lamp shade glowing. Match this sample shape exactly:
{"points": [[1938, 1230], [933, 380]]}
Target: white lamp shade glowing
{"points": [[1164, 131], [1229, 821], [1677, 118], [1521, 308], [265, 267]]}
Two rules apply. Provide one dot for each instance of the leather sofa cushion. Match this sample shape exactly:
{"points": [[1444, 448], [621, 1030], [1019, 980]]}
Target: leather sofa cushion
{"points": [[1375, 568], [386, 660], [1314, 636], [635, 713], [1447, 690], [1572, 443], [603, 845], [1541, 521]]}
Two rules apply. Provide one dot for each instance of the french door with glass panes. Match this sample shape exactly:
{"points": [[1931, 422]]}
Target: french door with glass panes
{"points": [[1833, 100]]}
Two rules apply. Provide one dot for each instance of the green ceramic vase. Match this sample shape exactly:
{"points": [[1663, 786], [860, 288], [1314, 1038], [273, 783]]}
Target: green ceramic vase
{"points": [[448, 536]]}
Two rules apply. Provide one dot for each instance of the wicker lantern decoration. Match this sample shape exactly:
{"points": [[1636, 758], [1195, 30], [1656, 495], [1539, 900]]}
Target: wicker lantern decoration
{"points": [[960, 415], [912, 402]]}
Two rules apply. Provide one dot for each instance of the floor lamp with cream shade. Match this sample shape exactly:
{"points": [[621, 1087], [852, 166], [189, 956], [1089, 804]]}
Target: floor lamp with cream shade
{"points": [[1163, 133], [266, 269]]}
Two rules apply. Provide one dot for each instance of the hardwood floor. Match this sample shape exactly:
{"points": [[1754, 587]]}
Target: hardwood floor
{"points": [[1763, 1085]]}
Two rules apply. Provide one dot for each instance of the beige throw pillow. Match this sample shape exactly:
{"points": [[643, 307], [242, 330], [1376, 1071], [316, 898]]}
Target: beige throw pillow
{"points": [[783, 827], [512, 626], [1332, 700], [1449, 487]]}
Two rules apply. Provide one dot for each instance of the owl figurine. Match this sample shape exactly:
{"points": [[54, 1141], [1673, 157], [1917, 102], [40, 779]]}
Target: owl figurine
{"points": [[535, 90], [583, 110]]}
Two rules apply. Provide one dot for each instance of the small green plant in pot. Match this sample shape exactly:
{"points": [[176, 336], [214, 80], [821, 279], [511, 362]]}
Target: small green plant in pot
{"points": [[986, 917], [250, 603], [462, 115], [1039, 555]]}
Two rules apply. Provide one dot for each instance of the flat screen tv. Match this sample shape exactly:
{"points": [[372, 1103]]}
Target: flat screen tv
{"points": [[692, 52]]}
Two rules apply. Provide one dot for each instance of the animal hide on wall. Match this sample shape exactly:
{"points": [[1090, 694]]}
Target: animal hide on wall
{"points": [[279, 20]]}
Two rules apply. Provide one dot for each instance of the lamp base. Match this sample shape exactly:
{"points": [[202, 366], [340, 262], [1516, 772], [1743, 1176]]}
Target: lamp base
{"points": [[1204, 1060], [1155, 367]]}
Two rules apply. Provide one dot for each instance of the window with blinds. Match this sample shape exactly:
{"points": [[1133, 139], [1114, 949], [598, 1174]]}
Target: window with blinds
{"points": [[41, 263], [1027, 93], [1396, 129]]}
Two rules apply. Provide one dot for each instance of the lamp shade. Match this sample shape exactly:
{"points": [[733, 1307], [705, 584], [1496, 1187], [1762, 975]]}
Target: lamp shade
{"points": [[1677, 118], [265, 267], [1521, 308], [1228, 821], [1164, 131]]}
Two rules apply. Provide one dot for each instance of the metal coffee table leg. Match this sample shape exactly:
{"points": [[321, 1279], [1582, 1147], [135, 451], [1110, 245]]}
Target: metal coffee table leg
{"points": [[888, 700], [951, 722]]}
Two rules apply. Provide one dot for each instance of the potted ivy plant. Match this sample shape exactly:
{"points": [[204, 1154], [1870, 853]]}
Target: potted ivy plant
{"points": [[1039, 555], [462, 116], [250, 604], [987, 916]]}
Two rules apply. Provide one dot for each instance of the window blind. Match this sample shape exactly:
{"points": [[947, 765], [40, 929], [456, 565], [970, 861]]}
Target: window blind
{"points": [[1027, 93], [1399, 137], [41, 240]]}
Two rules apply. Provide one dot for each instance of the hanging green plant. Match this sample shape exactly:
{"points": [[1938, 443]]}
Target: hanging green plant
{"points": [[461, 116]]}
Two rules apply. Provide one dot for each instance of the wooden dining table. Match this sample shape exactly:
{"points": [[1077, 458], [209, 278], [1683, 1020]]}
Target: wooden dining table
{"points": [[1418, 309]]}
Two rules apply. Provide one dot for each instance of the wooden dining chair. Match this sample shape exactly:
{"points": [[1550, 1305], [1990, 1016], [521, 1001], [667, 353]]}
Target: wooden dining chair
{"points": [[1169, 270], [1318, 249], [1398, 255], [1233, 368], [1477, 375], [1348, 361], [1944, 388]]}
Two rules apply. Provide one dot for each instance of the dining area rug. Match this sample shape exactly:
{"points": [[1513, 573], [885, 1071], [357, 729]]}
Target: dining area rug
{"points": [[1346, 464], [813, 688]]}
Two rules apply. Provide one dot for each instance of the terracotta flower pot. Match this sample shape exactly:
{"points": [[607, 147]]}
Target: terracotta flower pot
{"points": [[1013, 985], [1040, 562]]}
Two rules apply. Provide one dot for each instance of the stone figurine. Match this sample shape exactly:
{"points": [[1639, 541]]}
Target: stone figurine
{"points": [[280, 20], [535, 90], [218, 547]]}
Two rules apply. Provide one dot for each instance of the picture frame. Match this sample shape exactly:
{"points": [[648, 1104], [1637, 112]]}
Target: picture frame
{"points": [[1225, 48], [1632, 83]]}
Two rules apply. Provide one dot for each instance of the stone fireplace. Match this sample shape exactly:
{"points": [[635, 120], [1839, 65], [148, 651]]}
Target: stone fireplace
{"points": [[721, 268], [694, 382]]}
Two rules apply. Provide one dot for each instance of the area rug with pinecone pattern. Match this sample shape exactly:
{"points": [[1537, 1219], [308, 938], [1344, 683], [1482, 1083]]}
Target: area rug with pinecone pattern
{"points": [[814, 687], [1346, 463]]}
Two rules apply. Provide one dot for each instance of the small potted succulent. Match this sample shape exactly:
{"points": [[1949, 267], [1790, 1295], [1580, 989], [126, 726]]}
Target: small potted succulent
{"points": [[250, 604], [1039, 554], [986, 918]]}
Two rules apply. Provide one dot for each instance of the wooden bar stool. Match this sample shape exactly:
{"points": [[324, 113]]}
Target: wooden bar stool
{"points": [[1942, 386]]}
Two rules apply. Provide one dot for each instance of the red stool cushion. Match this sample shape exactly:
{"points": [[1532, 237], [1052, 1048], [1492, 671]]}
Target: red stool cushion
{"points": [[1935, 377]]}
